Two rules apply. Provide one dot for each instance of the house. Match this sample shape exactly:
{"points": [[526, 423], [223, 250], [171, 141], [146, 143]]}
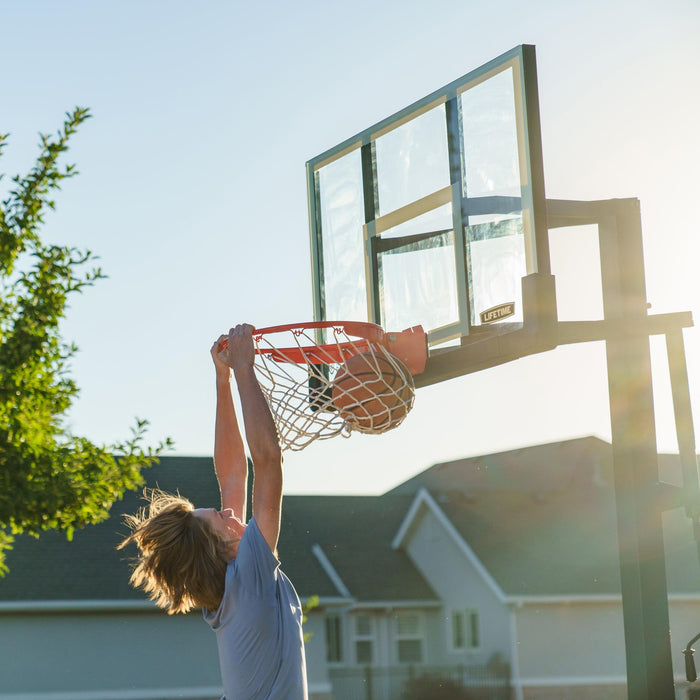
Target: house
{"points": [[498, 572]]}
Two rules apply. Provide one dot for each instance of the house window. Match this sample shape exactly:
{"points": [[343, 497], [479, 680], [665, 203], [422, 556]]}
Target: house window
{"points": [[409, 635], [334, 638], [465, 629], [364, 639]]}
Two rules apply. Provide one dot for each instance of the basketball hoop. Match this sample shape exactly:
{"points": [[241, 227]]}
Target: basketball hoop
{"points": [[359, 379]]}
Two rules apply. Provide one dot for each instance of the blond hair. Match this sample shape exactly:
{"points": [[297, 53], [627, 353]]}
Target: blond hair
{"points": [[182, 559]]}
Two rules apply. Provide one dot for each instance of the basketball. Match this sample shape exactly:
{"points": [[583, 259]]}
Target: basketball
{"points": [[373, 393]]}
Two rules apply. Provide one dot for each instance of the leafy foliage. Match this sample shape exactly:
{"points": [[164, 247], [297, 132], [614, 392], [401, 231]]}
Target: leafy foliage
{"points": [[49, 478], [311, 603]]}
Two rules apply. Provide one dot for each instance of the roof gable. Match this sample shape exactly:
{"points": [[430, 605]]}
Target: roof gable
{"points": [[354, 534], [424, 500]]}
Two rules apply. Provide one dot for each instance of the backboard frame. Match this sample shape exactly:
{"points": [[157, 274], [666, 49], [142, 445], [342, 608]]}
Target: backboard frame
{"points": [[532, 199]]}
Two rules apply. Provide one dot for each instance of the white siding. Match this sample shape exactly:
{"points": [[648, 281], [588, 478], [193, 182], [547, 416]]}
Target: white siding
{"points": [[106, 651], [586, 639], [123, 654], [570, 640], [315, 646], [458, 583]]}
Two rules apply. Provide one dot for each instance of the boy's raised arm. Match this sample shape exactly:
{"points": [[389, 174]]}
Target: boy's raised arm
{"points": [[230, 461], [261, 435]]}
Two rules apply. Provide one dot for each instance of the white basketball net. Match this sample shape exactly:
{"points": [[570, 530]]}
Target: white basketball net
{"points": [[297, 380]]}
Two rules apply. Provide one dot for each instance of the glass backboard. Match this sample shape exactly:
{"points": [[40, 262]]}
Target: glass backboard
{"points": [[434, 215]]}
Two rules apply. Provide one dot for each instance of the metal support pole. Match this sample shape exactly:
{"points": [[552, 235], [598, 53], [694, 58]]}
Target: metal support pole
{"points": [[684, 424], [686, 438], [635, 461]]}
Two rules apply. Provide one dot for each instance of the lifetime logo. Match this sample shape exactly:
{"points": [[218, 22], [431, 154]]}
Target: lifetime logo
{"points": [[496, 313]]}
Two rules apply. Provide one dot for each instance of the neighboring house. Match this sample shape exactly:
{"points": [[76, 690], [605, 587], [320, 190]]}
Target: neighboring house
{"points": [[500, 571]]}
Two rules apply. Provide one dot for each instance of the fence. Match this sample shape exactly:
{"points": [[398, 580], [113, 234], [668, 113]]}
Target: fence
{"points": [[485, 682]]}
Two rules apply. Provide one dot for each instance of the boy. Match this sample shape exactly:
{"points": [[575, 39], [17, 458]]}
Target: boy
{"points": [[214, 560]]}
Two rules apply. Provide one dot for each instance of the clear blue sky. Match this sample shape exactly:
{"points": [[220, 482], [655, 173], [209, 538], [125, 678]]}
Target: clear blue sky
{"points": [[192, 191]]}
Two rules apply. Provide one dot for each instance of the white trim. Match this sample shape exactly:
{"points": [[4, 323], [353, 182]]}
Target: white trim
{"points": [[316, 688], [591, 599], [514, 654], [342, 619], [105, 606], [390, 604], [41, 606], [423, 497], [408, 519], [396, 637], [522, 601], [122, 694], [330, 602], [466, 613], [549, 681], [370, 637], [330, 571], [68, 606]]}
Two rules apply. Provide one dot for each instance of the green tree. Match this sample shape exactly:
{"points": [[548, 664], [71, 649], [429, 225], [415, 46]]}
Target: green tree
{"points": [[49, 478]]}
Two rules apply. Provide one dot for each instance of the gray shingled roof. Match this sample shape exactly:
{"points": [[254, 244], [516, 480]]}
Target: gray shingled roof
{"points": [[532, 470], [542, 519], [89, 567], [355, 534]]}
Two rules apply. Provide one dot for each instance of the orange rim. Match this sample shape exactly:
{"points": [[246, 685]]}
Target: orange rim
{"points": [[409, 345], [322, 354]]}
